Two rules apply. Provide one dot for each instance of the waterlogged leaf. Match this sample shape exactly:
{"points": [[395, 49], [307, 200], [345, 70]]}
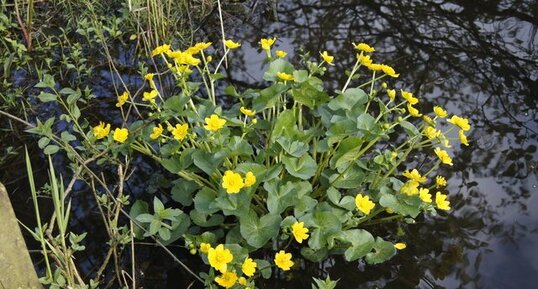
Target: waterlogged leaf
{"points": [[207, 162], [407, 206], [304, 167], [294, 148], [47, 97], [268, 96], [383, 251], [409, 128], [315, 255], [285, 124], [278, 65], [348, 99], [182, 191], [257, 232], [361, 241]]}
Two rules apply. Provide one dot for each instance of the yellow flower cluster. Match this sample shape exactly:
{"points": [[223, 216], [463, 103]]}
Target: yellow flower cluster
{"points": [[233, 182]]}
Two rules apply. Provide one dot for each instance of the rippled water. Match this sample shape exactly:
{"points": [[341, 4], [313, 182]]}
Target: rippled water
{"points": [[474, 57]]}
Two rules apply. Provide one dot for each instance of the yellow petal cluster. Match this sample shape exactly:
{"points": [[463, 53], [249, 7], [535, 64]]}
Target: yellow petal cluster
{"points": [[443, 156], [232, 182], [408, 96], [231, 45], [157, 132], [414, 175], [413, 111], [364, 204], [441, 201], [227, 279], [250, 179], [204, 247], [400, 246], [247, 112], [150, 96], [122, 99], [180, 131], [249, 267], [281, 54], [283, 260], [327, 58], [299, 231], [392, 94], [364, 47], [101, 131], [440, 181], [431, 132], [219, 258], [388, 70], [160, 49], [410, 188], [424, 195], [463, 138], [463, 123], [285, 76], [214, 123], [121, 135], [266, 43], [439, 111]]}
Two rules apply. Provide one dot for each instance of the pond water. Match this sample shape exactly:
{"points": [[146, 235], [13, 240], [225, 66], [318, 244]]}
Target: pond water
{"points": [[478, 58]]}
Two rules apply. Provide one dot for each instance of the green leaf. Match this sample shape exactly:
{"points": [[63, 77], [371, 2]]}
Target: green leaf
{"points": [[182, 191], [315, 255], [46, 97], [207, 162], [346, 152], [351, 178], [179, 227], [280, 197], [268, 96], [325, 225], [257, 232], [278, 65], [46, 82], [383, 251], [176, 103], [285, 125], [409, 128], [348, 99], [203, 201], [404, 205], [172, 164], [239, 147], [265, 268], [361, 241], [304, 167], [67, 136], [202, 219], [158, 206], [309, 95], [51, 149], [294, 148], [233, 204], [138, 208], [231, 91], [366, 122]]}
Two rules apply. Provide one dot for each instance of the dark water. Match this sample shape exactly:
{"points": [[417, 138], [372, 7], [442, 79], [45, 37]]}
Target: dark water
{"points": [[476, 58]]}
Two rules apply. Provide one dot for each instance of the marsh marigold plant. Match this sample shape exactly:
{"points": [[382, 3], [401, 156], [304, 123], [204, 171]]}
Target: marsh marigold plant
{"points": [[288, 171]]}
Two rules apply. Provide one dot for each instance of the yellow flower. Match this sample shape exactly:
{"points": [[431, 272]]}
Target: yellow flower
{"points": [[431, 132], [247, 112], [413, 111], [424, 195], [121, 134], [463, 123], [328, 58], [388, 70], [414, 175], [266, 43], [375, 66], [439, 111], [232, 182], [408, 96], [102, 130], [160, 49], [410, 188], [180, 131], [226, 280], [184, 69], [443, 156], [219, 257], [364, 47], [299, 231], [440, 181], [250, 179], [157, 131], [204, 247], [441, 201], [463, 138], [364, 204], [392, 94], [214, 123], [428, 120], [149, 76], [183, 58], [283, 260], [230, 44], [198, 47], [249, 267], [281, 54], [122, 99], [150, 96], [285, 76], [400, 246], [364, 59]]}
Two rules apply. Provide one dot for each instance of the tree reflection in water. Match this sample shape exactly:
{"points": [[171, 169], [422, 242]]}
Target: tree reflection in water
{"points": [[476, 58]]}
